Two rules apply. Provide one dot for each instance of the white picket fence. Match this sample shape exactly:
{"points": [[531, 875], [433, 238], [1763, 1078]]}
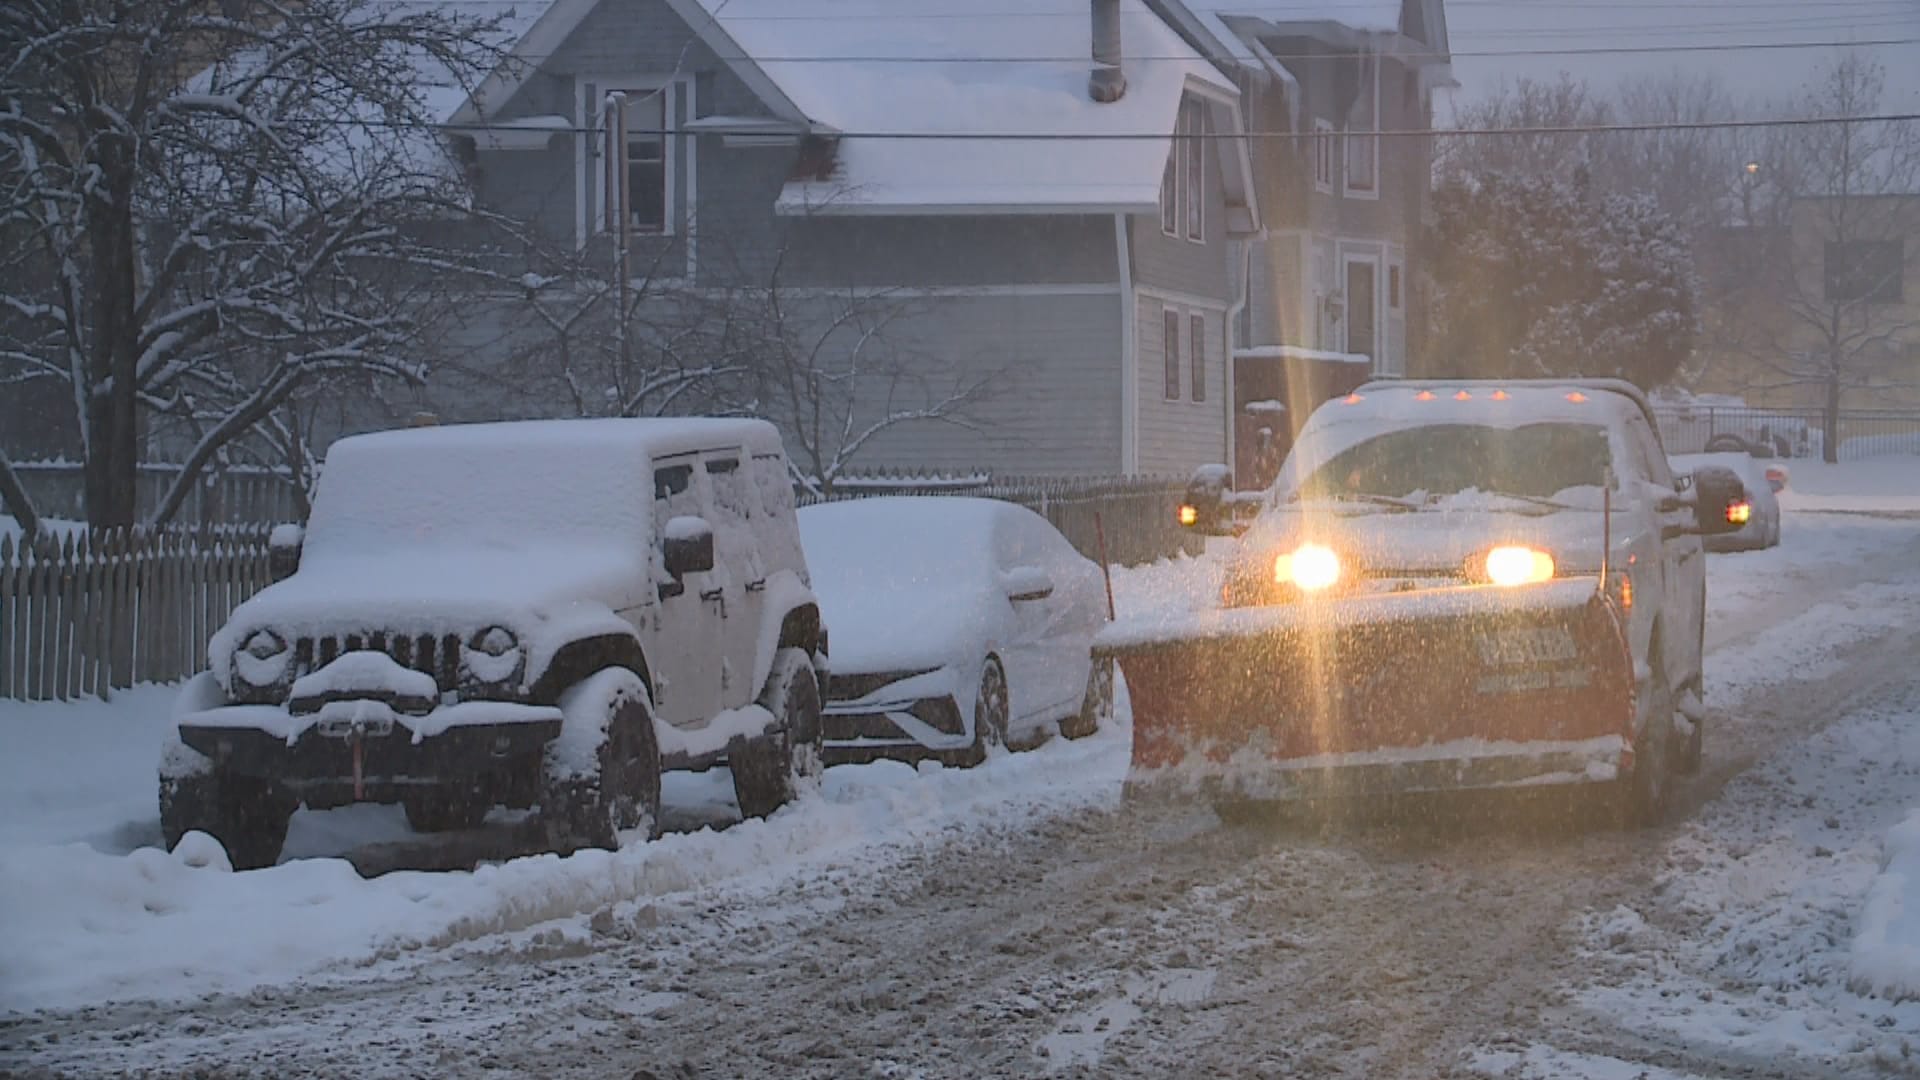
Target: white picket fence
{"points": [[88, 612]]}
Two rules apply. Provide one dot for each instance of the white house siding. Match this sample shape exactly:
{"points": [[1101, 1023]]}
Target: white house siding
{"points": [[1177, 435], [1051, 364]]}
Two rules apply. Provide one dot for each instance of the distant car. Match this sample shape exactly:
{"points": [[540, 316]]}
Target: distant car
{"points": [[958, 624], [1762, 479]]}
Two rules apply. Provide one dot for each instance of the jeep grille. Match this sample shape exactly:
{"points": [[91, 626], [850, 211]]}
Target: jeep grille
{"points": [[435, 656]]}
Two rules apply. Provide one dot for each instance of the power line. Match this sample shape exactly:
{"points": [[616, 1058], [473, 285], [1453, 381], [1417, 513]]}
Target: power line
{"points": [[1110, 136]]}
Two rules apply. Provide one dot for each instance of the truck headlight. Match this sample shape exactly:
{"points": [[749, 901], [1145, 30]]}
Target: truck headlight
{"points": [[262, 659], [1519, 566], [491, 655], [1310, 567]]}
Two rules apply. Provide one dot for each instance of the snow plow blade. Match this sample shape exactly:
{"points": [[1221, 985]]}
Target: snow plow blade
{"points": [[1435, 690]]}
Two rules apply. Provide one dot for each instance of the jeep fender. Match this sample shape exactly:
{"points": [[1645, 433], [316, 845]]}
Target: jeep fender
{"points": [[574, 647], [790, 616]]}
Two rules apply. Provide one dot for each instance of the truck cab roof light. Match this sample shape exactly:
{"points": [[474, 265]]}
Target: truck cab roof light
{"points": [[1424, 395]]}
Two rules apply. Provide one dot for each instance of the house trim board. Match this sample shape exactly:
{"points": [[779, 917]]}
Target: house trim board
{"points": [[1183, 299], [1129, 353]]}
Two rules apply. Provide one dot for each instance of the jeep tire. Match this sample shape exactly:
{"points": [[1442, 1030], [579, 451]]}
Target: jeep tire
{"points": [[785, 763], [246, 814], [602, 775]]}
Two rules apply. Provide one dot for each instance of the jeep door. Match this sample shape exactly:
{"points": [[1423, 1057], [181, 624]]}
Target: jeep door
{"points": [[739, 572], [684, 638]]}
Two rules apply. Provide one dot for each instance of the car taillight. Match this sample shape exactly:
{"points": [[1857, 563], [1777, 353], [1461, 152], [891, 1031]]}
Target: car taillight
{"points": [[1739, 513]]}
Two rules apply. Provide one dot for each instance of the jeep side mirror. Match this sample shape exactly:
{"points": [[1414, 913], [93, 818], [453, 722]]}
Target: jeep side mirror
{"points": [[283, 550], [687, 546], [1208, 506], [1720, 501]]}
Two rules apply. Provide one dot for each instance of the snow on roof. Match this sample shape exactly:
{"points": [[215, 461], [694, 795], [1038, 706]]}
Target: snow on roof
{"points": [[1295, 352], [646, 437], [445, 94], [1025, 75], [1381, 16]]}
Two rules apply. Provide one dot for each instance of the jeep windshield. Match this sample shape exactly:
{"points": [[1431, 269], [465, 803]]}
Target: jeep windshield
{"points": [[1534, 464], [446, 491]]}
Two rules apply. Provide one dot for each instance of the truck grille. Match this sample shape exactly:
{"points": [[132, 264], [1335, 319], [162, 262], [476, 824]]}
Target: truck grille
{"points": [[435, 656]]}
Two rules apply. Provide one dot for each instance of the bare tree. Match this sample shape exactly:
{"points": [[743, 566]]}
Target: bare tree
{"points": [[1527, 104], [1832, 316], [205, 207]]}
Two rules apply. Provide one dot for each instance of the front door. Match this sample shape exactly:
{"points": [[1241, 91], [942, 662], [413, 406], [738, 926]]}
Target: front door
{"points": [[685, 638], [1362, 310]]}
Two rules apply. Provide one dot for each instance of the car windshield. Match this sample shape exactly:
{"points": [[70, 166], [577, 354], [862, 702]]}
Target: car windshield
{"points": [[1534, 461]]}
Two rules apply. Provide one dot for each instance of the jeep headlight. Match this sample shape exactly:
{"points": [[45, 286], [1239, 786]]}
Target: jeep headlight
{"points": [[491, 656], [262, 659]]}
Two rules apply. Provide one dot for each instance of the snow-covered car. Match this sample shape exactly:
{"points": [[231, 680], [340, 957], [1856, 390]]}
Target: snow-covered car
{"points": [[1759, 512], [1450, 585], [523, 613], [958, 624]]}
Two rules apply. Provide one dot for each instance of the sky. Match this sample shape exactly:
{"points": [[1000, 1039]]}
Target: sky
{"points": [[1508, 25]]}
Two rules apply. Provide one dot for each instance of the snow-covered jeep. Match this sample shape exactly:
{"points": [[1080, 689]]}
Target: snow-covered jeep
{"points": [[515, 614]]}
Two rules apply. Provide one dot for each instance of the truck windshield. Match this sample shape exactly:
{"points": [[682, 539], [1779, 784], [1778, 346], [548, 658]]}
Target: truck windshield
{"points": [[1535, 460]]}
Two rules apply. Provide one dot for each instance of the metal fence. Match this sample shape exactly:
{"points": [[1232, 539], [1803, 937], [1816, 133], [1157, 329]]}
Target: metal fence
{"points": [[84, 613], [1136, 514], [236, 496], [1794, 433]]}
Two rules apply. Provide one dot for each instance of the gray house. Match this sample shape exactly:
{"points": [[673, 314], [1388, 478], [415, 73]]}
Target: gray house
{"points": [[1062, 273]]}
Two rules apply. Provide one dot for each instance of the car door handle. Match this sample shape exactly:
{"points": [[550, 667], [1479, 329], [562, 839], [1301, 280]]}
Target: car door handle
{"points": [[714, 593], [757, 585]]}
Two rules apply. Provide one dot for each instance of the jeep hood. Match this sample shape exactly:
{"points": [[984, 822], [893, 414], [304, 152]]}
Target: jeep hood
{"points": [[532, 592]]}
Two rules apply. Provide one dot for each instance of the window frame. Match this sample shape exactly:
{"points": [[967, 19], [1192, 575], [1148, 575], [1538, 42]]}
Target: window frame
{"points": [[1194, 124], [1367, 137], [1323, 136], [1197, 360], [1170, 334], [669, 93]]}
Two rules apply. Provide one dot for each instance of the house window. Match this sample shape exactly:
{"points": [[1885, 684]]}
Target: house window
{"points": [[647, 166], [1183, 187], [1171, 321], [1322, 155], [1363, 146], [1393, 287], [1865, 270], [1194, 127], [1197, 325]]}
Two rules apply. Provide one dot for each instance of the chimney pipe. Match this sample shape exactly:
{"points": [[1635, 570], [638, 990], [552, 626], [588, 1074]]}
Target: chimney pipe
{"points": [[1108, 82]]}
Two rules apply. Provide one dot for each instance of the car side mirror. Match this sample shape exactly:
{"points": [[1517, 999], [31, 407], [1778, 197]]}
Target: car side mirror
{"points": [[1719, 501], [1027, 583], [687, 546], [283, 550]]}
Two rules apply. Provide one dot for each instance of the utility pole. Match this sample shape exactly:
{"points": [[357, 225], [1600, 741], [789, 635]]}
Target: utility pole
{"points": [[619, 218]]}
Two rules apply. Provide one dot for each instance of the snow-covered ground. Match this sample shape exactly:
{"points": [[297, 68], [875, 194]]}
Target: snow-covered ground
{"points": [[1779, 924]]}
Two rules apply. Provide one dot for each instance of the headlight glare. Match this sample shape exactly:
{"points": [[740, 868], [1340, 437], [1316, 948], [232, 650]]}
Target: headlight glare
{"points": [[1311, 567], [1519, 566]]}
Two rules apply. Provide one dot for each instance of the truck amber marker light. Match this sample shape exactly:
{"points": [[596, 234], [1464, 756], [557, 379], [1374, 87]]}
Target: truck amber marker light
{"points": [[1739, 513]]}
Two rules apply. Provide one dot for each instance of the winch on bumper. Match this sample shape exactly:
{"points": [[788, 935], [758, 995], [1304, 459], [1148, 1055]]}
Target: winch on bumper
{"points": [[1441, 689]]}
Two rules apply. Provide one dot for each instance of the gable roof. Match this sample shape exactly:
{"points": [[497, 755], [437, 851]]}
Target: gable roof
{"points": [[859, 67]]}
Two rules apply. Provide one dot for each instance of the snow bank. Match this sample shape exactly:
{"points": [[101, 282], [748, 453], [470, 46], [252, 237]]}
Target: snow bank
{"points": [[1886, 951], [1878, 485], [92, 916]]}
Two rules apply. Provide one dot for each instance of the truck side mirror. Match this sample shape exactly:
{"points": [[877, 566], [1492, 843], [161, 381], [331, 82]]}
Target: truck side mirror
{"points": [[687, 546], [1719, 501], [283, 550], [1208, 504]]}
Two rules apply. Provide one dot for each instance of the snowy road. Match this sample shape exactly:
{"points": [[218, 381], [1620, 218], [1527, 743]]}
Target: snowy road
{"points": [[1038, 925]]}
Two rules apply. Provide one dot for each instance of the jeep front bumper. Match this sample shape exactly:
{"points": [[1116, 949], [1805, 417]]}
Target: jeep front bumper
{"points": [[395, 749]]}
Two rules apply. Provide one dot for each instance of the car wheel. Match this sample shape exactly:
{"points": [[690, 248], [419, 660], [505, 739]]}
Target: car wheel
{"points": [[1096, 709], [603, 773], [246, 814], [991, 712], [779, 767], [446, 808]]}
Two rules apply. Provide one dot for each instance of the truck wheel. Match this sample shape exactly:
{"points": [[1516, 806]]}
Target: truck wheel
{"points": [[784, 764], [1641, 796], [602, 774], [246, 814], [1096, 709], [446, 808]]}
